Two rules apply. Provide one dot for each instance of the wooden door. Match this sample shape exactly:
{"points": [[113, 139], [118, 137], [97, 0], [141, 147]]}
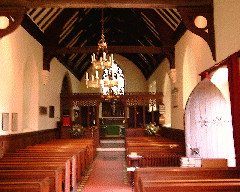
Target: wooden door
{"points": [[208, 124]]}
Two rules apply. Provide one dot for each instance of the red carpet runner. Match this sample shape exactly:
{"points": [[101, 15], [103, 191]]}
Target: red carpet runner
{"points": [[107, 174]]}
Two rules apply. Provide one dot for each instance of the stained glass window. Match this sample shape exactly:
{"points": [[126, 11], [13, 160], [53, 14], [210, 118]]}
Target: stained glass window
{"points": [[116, 72]]}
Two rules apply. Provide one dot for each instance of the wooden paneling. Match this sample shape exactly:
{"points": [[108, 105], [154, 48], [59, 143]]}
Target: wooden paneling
{"points": [[135, 132], [173, 134], [10, 143]]}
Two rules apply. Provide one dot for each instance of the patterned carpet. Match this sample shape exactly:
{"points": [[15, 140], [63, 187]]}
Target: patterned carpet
{"points": [[108, 171]]}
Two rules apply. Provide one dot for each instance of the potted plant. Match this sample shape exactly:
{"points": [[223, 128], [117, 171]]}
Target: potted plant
{"points": [[151, 129], [77, 131]]}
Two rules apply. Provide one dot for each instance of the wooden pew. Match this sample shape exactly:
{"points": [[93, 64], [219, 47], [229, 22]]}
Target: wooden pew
{"points": [[66, 160], [64, 145], [169, 179], [23, 185], [155, 151], [68, 152], [189, 185], [74, 155], [79, 142], [33, 166], [54, 175]]}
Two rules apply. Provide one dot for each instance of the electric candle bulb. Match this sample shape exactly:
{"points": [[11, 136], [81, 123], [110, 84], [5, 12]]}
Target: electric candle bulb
{"points": [[104, 56]]}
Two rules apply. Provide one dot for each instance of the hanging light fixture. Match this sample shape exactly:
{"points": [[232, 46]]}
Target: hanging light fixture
{"points": [[94, 81], [110, 78], [100, 61]]}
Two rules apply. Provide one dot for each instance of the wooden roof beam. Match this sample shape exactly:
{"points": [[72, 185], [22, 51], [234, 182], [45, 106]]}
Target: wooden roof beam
{"points": [[105, 3], [111, 49]]}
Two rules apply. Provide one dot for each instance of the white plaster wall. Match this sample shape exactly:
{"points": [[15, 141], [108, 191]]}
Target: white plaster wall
{"points": [[50, 93], [30, 95], [159, 75], [164, 85], [227, 36], [227, 28], [15, 51], [21, 88], [192, 57], [134, 79], [167, 100]]}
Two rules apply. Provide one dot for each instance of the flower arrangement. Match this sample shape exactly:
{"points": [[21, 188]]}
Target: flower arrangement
{"points": [[152, 129], [77, 130]]}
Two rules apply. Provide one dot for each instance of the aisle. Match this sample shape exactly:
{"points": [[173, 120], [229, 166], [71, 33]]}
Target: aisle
{"points": [[108, 172]]}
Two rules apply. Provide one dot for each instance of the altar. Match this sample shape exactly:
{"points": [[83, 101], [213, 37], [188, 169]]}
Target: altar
{"points": [[112, 127]]}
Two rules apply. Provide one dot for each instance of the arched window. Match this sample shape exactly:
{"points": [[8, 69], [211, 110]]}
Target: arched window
{"points": [[117, 72]]}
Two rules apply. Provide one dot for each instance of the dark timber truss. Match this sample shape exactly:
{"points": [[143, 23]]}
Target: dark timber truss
{"points": [[145, 32]]}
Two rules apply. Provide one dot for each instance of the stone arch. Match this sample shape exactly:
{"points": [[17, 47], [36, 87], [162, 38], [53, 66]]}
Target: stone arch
{"points": [[66, 84]]}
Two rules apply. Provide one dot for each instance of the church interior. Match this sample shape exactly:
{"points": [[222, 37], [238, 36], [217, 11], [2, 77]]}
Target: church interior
{"points": [[119, 95]]}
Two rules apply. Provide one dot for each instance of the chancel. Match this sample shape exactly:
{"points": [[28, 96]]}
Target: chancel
{"points": [[119, 96]]}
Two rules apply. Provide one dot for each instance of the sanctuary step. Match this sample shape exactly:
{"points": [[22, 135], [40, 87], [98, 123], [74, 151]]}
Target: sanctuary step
{"points": [[115, 144]]}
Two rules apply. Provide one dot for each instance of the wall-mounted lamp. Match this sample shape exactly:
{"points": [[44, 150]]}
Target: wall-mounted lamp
{"points": [[4, 22]]}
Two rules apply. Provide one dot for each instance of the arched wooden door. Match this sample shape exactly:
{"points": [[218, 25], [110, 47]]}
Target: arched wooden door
{"points": [[208, 124]]}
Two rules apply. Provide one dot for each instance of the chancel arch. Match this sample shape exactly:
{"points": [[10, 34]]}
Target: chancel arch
{"points": [[208, 124]]}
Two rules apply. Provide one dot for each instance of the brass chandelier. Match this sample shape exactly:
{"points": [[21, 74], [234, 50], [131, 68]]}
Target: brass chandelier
{"points": [[101, 61]]}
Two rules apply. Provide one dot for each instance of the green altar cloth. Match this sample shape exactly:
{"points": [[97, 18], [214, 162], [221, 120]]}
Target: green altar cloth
{"points": [[112, 129]]}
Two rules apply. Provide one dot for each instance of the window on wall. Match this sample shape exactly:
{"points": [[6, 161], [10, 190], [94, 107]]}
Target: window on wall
{"points": [[117, 71]]}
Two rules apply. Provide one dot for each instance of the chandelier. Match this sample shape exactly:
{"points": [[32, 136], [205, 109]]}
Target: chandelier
{"points": [[101, 61], [110, 96], [94, 81]]}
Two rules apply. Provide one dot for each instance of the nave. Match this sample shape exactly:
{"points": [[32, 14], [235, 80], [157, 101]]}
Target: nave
{"points": [[84, 165], [108, 171]]}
